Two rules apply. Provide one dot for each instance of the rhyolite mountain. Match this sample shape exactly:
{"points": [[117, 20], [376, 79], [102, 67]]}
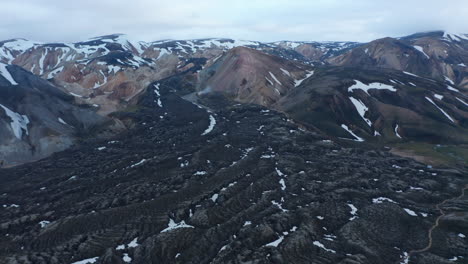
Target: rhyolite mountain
{"points": [[227, 151], [250, 76]]}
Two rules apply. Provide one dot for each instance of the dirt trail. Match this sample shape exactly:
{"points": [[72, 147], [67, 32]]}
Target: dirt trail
{"points": [[436, 224]]}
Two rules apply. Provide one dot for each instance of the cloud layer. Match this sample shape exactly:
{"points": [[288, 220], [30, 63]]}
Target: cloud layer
{"points": [[264, 20]]}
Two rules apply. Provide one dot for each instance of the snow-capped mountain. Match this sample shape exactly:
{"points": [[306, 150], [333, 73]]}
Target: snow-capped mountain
{"points": [[10, 49], [108, 70]]}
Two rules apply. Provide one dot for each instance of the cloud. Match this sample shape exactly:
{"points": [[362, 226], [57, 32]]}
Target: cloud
{"points": [[358, 20]]}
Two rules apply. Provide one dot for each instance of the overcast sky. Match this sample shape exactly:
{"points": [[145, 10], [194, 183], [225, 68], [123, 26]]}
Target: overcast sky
{"points": [[264, 20]]}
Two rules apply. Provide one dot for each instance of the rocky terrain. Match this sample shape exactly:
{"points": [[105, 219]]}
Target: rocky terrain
{"points": [[212, 181], [37, 118], [228, 151]]}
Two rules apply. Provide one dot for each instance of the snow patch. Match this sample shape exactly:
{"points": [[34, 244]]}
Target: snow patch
{"points": [[44, 223], [449, 80], [452, 89], [276, 242], [358, 139], [298, 82], [420, 49], [120, 247], [86, 261], [441, 110], [285, 72], [76, 95], [281, 174], [55, 72], [353, 211], [156, 91], [396, 131], [126, 258], [322, 246], [274, 78], [211, 126], [454, 37], [366, 88], [283, 185], [41, 61], [18, 122], [138, 163], [214, 198], [133, 243], [380, 200], [410, 212], [463, 102], [361, 108], [6, 74], [173, 225], [61, 121], [279, 205], [113, 69], [405, 258], [411, 74]]}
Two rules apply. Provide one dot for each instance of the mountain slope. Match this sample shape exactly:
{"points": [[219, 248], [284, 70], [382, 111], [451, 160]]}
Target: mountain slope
{"points": [[317, 51], [355, 103], [36, 118], [248, 75], [378, 105], [437, 55]]}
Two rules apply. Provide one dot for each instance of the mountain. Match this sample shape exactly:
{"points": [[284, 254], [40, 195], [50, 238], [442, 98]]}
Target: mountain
{"points": [[352, 103], [215, 181], [10, 49], [317, 51], [438, 55], [110, 71], [377, 105], [100, 71], [250, 76], [37, 118]]}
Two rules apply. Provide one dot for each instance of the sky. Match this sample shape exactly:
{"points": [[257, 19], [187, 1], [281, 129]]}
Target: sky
{"points": [[262, 20]]}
